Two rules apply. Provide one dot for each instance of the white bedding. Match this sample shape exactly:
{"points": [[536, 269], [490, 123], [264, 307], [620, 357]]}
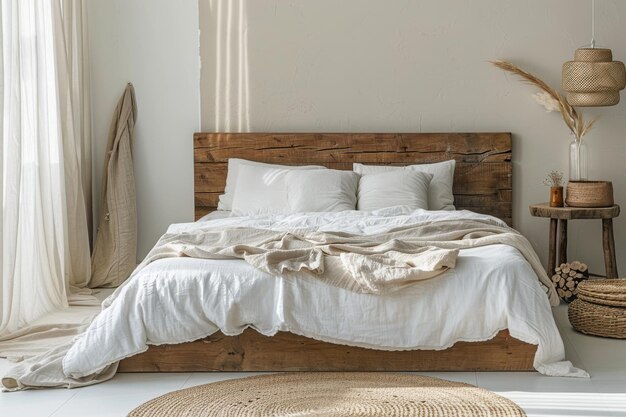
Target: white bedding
{"points": [[183, 299]]}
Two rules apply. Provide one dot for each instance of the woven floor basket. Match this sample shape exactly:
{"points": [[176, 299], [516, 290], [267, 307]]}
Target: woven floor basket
{"points": [[600, 309]]}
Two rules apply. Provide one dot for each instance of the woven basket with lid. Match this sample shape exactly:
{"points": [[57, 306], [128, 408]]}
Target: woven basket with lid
{"points": [[600, 309]]}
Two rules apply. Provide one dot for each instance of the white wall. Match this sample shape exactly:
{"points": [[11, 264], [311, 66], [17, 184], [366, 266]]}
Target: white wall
{"points": [[154, 45], [351, 65], [411, 66]]}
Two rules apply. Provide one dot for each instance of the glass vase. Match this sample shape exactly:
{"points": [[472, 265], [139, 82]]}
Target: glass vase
{"points": [[578, 161]]}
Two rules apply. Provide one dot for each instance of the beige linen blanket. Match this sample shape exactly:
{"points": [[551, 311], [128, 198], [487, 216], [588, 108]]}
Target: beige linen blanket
{"points": [[373, 264]]}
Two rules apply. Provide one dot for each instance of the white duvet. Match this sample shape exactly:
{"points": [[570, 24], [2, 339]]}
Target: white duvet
{"points": [[182, 299]]}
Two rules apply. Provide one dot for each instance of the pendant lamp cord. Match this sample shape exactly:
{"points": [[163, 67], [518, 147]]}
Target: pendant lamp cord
{"points": [[593, 23]]}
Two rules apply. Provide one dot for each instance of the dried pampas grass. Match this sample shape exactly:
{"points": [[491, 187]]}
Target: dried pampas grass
{"points": [[551, 100], [547, 101]]}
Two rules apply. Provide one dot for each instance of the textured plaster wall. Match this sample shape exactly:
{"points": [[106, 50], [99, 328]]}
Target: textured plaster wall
{"points": [[154, 45]]}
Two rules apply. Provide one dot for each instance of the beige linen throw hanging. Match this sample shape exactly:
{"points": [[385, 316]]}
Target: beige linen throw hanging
{"points": [[115, 250]]}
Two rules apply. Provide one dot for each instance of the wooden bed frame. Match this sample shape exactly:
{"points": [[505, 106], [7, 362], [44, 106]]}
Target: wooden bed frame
{"points": [[482, 183]]}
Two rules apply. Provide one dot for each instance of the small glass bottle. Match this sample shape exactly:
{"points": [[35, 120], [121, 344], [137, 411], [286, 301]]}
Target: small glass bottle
{"points": [[578, 161]]}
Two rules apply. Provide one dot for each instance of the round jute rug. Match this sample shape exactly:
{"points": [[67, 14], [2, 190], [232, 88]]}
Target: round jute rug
{"points": [[331, 394]]}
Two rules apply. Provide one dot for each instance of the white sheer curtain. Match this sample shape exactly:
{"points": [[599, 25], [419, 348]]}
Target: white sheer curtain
{"points": [[45, 160]]}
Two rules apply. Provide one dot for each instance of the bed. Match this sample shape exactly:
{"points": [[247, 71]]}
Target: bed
{"points": [[482, 184], [210, 295]]}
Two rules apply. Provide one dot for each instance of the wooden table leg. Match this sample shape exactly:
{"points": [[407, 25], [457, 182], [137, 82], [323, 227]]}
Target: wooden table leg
{"points": [[562, 242], [552, 247], [608, 244]]}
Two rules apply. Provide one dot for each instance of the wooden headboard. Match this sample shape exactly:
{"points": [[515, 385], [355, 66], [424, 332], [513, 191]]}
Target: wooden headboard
{"points": [[482, 180]]}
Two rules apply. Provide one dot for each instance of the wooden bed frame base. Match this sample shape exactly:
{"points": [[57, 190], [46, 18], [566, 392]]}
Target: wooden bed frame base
{"points": [[482, 183], [251, 351]]}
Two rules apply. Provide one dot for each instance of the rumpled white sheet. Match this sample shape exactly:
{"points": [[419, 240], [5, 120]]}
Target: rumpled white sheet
{"points": [[182, 299]]}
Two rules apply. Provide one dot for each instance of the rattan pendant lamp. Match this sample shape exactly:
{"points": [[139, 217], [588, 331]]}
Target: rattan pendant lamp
{"points": [[593, 79]]}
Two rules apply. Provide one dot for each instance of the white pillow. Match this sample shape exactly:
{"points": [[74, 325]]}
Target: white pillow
{"points": [[226, 199], [321, 190], [440, 195], [401, 187], [261, 190]]}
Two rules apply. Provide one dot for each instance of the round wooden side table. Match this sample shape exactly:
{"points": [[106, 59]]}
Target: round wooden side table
{"points": [[558, 224]]}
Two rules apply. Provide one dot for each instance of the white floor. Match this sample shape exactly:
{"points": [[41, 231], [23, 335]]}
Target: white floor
{"points": [[602, 395]]}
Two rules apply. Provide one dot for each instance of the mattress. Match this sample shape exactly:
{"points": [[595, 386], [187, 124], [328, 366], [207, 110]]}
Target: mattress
{"points": [[178, 300]]}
